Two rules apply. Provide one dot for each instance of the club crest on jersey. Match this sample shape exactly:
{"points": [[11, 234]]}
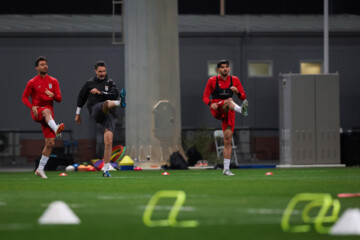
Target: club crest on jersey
{"points": [[50, 85], [106, 88]]}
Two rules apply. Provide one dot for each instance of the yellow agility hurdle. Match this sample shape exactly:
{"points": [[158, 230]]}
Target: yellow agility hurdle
{"points": [[171, 220]]}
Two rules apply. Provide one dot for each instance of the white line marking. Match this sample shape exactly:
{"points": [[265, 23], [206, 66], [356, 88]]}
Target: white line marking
{"points": [[266, 211], [14, 226], [168, 208], [121, 197]]}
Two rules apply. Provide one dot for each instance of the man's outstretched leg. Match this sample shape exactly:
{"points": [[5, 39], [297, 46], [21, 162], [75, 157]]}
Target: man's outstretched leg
{"points": [[108, 140], [227, 151]]}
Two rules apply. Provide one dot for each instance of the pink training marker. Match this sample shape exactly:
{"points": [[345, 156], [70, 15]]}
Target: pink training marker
{"points": [[165, 173], [63, 174], [343, 195], [269, 173]]}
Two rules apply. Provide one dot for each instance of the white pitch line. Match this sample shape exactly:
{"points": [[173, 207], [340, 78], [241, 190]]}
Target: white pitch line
{"points": [[267, 211], [121, 197], [168, 208], [14, 226]]}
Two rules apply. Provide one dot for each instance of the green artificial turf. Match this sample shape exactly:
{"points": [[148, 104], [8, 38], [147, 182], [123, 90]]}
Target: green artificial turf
{"points": [[247, 206]]}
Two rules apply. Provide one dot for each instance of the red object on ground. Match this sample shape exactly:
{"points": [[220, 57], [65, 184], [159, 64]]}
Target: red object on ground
{"points": [[269, 173], [165, 173], [90, 168], [138, 169], [63, 174], [343, 195]]}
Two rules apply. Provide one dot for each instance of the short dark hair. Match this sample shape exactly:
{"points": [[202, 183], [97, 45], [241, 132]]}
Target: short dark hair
{"points": [[218, 65], [100, 64], [40, 58]]}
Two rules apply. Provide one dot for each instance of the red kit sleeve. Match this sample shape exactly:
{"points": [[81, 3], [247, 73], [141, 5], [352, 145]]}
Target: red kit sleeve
{"points": [[207, 92], [57, 93], [237, 84], [26, 95]]}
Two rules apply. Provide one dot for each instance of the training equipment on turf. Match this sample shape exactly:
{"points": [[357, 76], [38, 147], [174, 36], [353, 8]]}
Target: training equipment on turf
{"points": [[348, 223], [82, 168], [63, 174], [138, 169], [90, 168], [126, 163], [165, 173], [346, 195], [58, 212], [321, 201], [118, 153], [111, 168], [269, 174], [76, 166], [171, 221], [40, 173], [70, 168], [99, 164], [228, 173]]}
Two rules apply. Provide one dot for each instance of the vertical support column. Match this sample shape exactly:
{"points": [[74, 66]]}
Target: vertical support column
{"points": [[153, 113], [326, 36]]}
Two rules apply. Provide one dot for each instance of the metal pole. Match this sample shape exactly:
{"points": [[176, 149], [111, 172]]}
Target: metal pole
{"points": [[326, 36], [113, 22], [222, 7]]}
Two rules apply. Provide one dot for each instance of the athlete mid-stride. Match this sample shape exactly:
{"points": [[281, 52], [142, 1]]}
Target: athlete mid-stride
{"points": [[43, 90], [102, 97], [221, 88]]}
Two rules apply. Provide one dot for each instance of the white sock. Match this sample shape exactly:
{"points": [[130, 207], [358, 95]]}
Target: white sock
{"points": [[42, 162], [237, 108], [226, 164], [52, 125], [117, 103], [106, 167]]}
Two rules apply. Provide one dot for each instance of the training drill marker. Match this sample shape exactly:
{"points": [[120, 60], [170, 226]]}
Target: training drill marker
{"points": [[171, 221], [322, 200]]}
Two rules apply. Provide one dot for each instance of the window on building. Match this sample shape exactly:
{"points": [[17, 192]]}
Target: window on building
{"points": [[212, 68], [308, 67], [260, 69]]}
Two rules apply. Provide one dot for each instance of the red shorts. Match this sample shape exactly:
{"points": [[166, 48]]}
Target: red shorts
{"points": [[227, 118], [47, 131]]}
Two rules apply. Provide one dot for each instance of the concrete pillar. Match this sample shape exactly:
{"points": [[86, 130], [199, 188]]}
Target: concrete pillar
{"points": [[153, 112]]}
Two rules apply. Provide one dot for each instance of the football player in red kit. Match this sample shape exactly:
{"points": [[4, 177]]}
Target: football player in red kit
{"points": [[222, 107], [43, 90]]}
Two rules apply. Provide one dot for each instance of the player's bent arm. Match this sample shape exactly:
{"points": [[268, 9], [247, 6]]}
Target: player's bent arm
{"points": [[241, 95], [26, 95], [57, 93]]}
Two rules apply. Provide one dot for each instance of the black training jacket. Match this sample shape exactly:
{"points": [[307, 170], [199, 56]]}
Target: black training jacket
{"points": [[108, 90]]}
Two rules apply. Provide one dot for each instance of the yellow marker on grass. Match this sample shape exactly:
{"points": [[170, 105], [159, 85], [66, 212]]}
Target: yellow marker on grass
{"points": [[171, 220], [322, 200]]}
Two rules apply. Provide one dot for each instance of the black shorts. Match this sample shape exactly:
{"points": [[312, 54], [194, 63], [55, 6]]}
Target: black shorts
{"points": [[105, 120]]}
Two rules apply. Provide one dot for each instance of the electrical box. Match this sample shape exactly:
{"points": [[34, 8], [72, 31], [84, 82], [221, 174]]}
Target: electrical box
{"points": [[309, 119]]}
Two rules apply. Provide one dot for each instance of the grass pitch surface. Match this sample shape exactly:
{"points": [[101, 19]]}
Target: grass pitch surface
{"points": [[247, 206]]}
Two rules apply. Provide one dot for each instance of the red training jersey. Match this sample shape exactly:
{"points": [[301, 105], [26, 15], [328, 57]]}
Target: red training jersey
{"points": [[211, 84], [36, 87]]}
